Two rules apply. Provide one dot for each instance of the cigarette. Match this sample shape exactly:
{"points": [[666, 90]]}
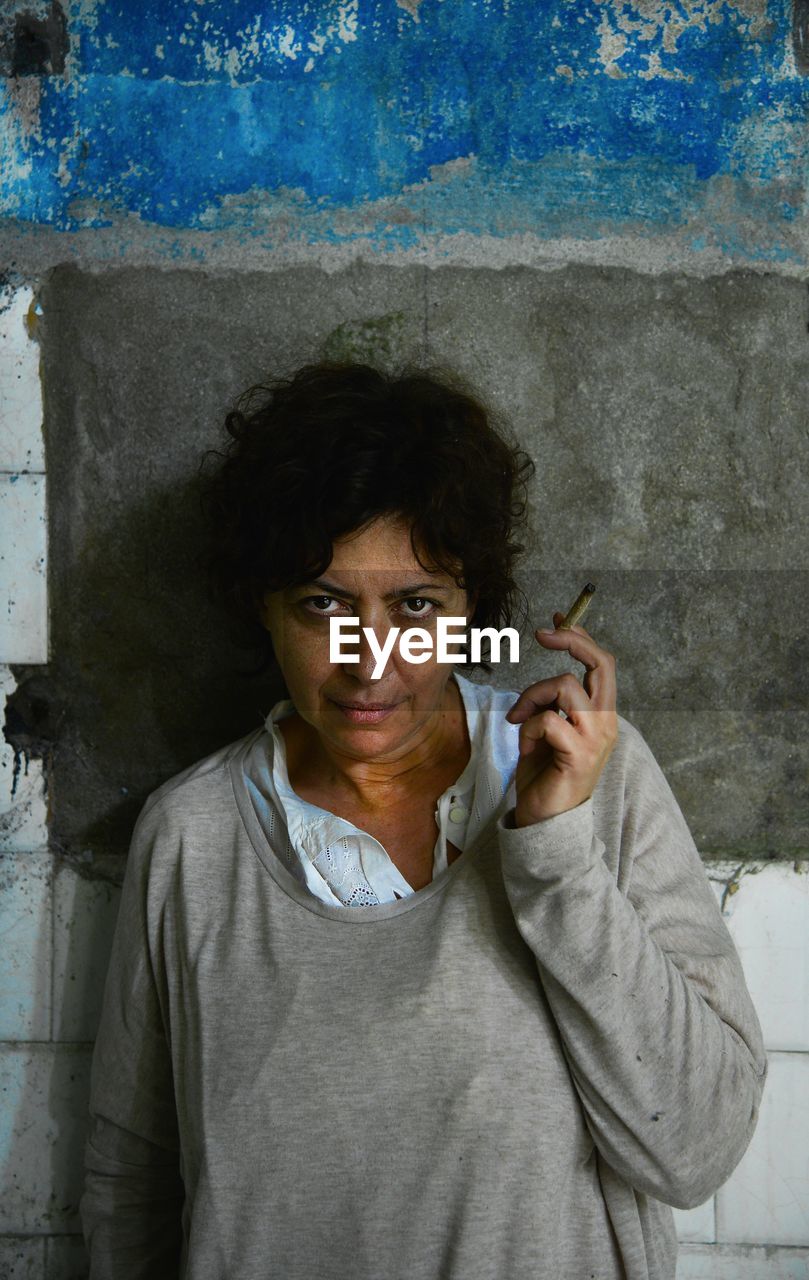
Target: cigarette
{"points": [[578, 607]]}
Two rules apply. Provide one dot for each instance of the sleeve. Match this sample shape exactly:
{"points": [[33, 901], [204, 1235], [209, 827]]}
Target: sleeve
{"points": [[645, 985], [133, 1194]]}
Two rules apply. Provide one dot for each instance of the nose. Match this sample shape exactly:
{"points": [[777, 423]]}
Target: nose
{"points": [[365, 671]]}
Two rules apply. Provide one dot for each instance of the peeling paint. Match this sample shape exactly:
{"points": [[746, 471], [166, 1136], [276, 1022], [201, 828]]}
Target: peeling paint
{"points": [[84, 13], [243, 55], [660, 23], [32, 318], [730, 877], [615, 118], [613, 45], [411, 7], [460, 167], [16, 164], [24, 95]]}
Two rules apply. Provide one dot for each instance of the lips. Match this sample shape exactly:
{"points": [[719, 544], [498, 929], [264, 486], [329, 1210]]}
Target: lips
{"points": [[367, 706], [366, 712]]}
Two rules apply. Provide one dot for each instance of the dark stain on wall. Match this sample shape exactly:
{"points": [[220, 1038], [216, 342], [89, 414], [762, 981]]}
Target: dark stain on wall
{"points": [[34, 46], [31, 724]]}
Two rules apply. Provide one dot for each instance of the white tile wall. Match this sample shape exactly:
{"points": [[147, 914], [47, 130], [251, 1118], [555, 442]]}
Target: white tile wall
{"points": [[25, 954], [23, 599], [697, 1224], [61, 1257], [766, 1201], [45, 1090], [23, 566], [21, 443], [21, 1259], [768, 918]]}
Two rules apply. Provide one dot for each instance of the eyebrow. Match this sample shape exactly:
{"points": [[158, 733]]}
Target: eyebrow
{"points": [[411, 590]]}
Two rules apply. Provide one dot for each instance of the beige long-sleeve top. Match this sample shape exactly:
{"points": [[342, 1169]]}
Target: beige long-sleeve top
{"points": [[511, 1073]]}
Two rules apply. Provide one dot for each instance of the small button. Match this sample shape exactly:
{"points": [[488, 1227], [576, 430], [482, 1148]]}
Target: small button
{"points": [[458, 813]]}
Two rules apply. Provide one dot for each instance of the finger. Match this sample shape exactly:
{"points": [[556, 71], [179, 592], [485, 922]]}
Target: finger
{"points": [[558, 619], [547, 727], [562, 691], [599, 681]]}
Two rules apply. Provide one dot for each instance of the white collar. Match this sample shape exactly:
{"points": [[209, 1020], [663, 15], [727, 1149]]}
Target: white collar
{"points": [[334, 858], [312, 828]]}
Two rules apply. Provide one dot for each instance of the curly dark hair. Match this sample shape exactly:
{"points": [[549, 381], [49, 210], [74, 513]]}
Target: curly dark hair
{"points": [[319, 455]]}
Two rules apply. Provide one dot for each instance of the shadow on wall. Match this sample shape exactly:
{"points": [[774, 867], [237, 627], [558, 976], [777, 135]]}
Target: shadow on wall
{"points": [[139, 656]]}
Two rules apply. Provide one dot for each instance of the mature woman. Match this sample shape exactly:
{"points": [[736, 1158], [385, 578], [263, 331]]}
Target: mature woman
{"points": [[421, 979]]}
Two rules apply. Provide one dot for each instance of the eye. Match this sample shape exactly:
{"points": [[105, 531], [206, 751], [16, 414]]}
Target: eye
{"points": [[311, 601], [422, 600]]}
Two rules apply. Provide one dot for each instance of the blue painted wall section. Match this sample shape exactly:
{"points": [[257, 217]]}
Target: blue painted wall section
{"points": [[409, 121]]}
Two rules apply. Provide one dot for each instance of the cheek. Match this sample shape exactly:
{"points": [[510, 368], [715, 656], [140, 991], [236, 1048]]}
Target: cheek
{"points": [[306, 658], [426, 675]]}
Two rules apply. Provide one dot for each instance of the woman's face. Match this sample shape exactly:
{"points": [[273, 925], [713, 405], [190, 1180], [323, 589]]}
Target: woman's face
{"points": [[373, 576]]}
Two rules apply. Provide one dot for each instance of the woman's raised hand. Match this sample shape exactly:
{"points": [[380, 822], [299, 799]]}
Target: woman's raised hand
{"points": [[561, 760]]}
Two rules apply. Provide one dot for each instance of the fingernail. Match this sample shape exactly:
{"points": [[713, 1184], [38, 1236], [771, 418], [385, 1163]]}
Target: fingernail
{"points": [[545, 631]]}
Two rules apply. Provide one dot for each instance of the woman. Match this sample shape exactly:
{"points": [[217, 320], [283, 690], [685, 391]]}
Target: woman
{"points": [[420, 979]]}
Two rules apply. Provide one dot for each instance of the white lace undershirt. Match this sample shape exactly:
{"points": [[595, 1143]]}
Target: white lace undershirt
{"points": [[343, 865]]}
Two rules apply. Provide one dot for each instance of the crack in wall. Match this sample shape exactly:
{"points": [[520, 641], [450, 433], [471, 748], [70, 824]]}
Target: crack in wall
{"points": [[800, 35]]}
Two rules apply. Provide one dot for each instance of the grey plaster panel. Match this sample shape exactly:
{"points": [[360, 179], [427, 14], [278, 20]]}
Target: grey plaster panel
{"points": [[668, 421]]}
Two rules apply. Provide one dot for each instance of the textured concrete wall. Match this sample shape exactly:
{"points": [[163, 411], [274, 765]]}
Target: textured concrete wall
{"points": [[667, 421]]}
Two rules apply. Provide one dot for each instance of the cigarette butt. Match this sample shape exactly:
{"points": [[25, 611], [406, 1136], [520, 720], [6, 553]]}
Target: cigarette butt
{"points": [[578, 607]]}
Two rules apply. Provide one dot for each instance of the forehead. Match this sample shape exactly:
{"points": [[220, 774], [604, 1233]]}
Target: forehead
{"points": [[381, 547]]}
